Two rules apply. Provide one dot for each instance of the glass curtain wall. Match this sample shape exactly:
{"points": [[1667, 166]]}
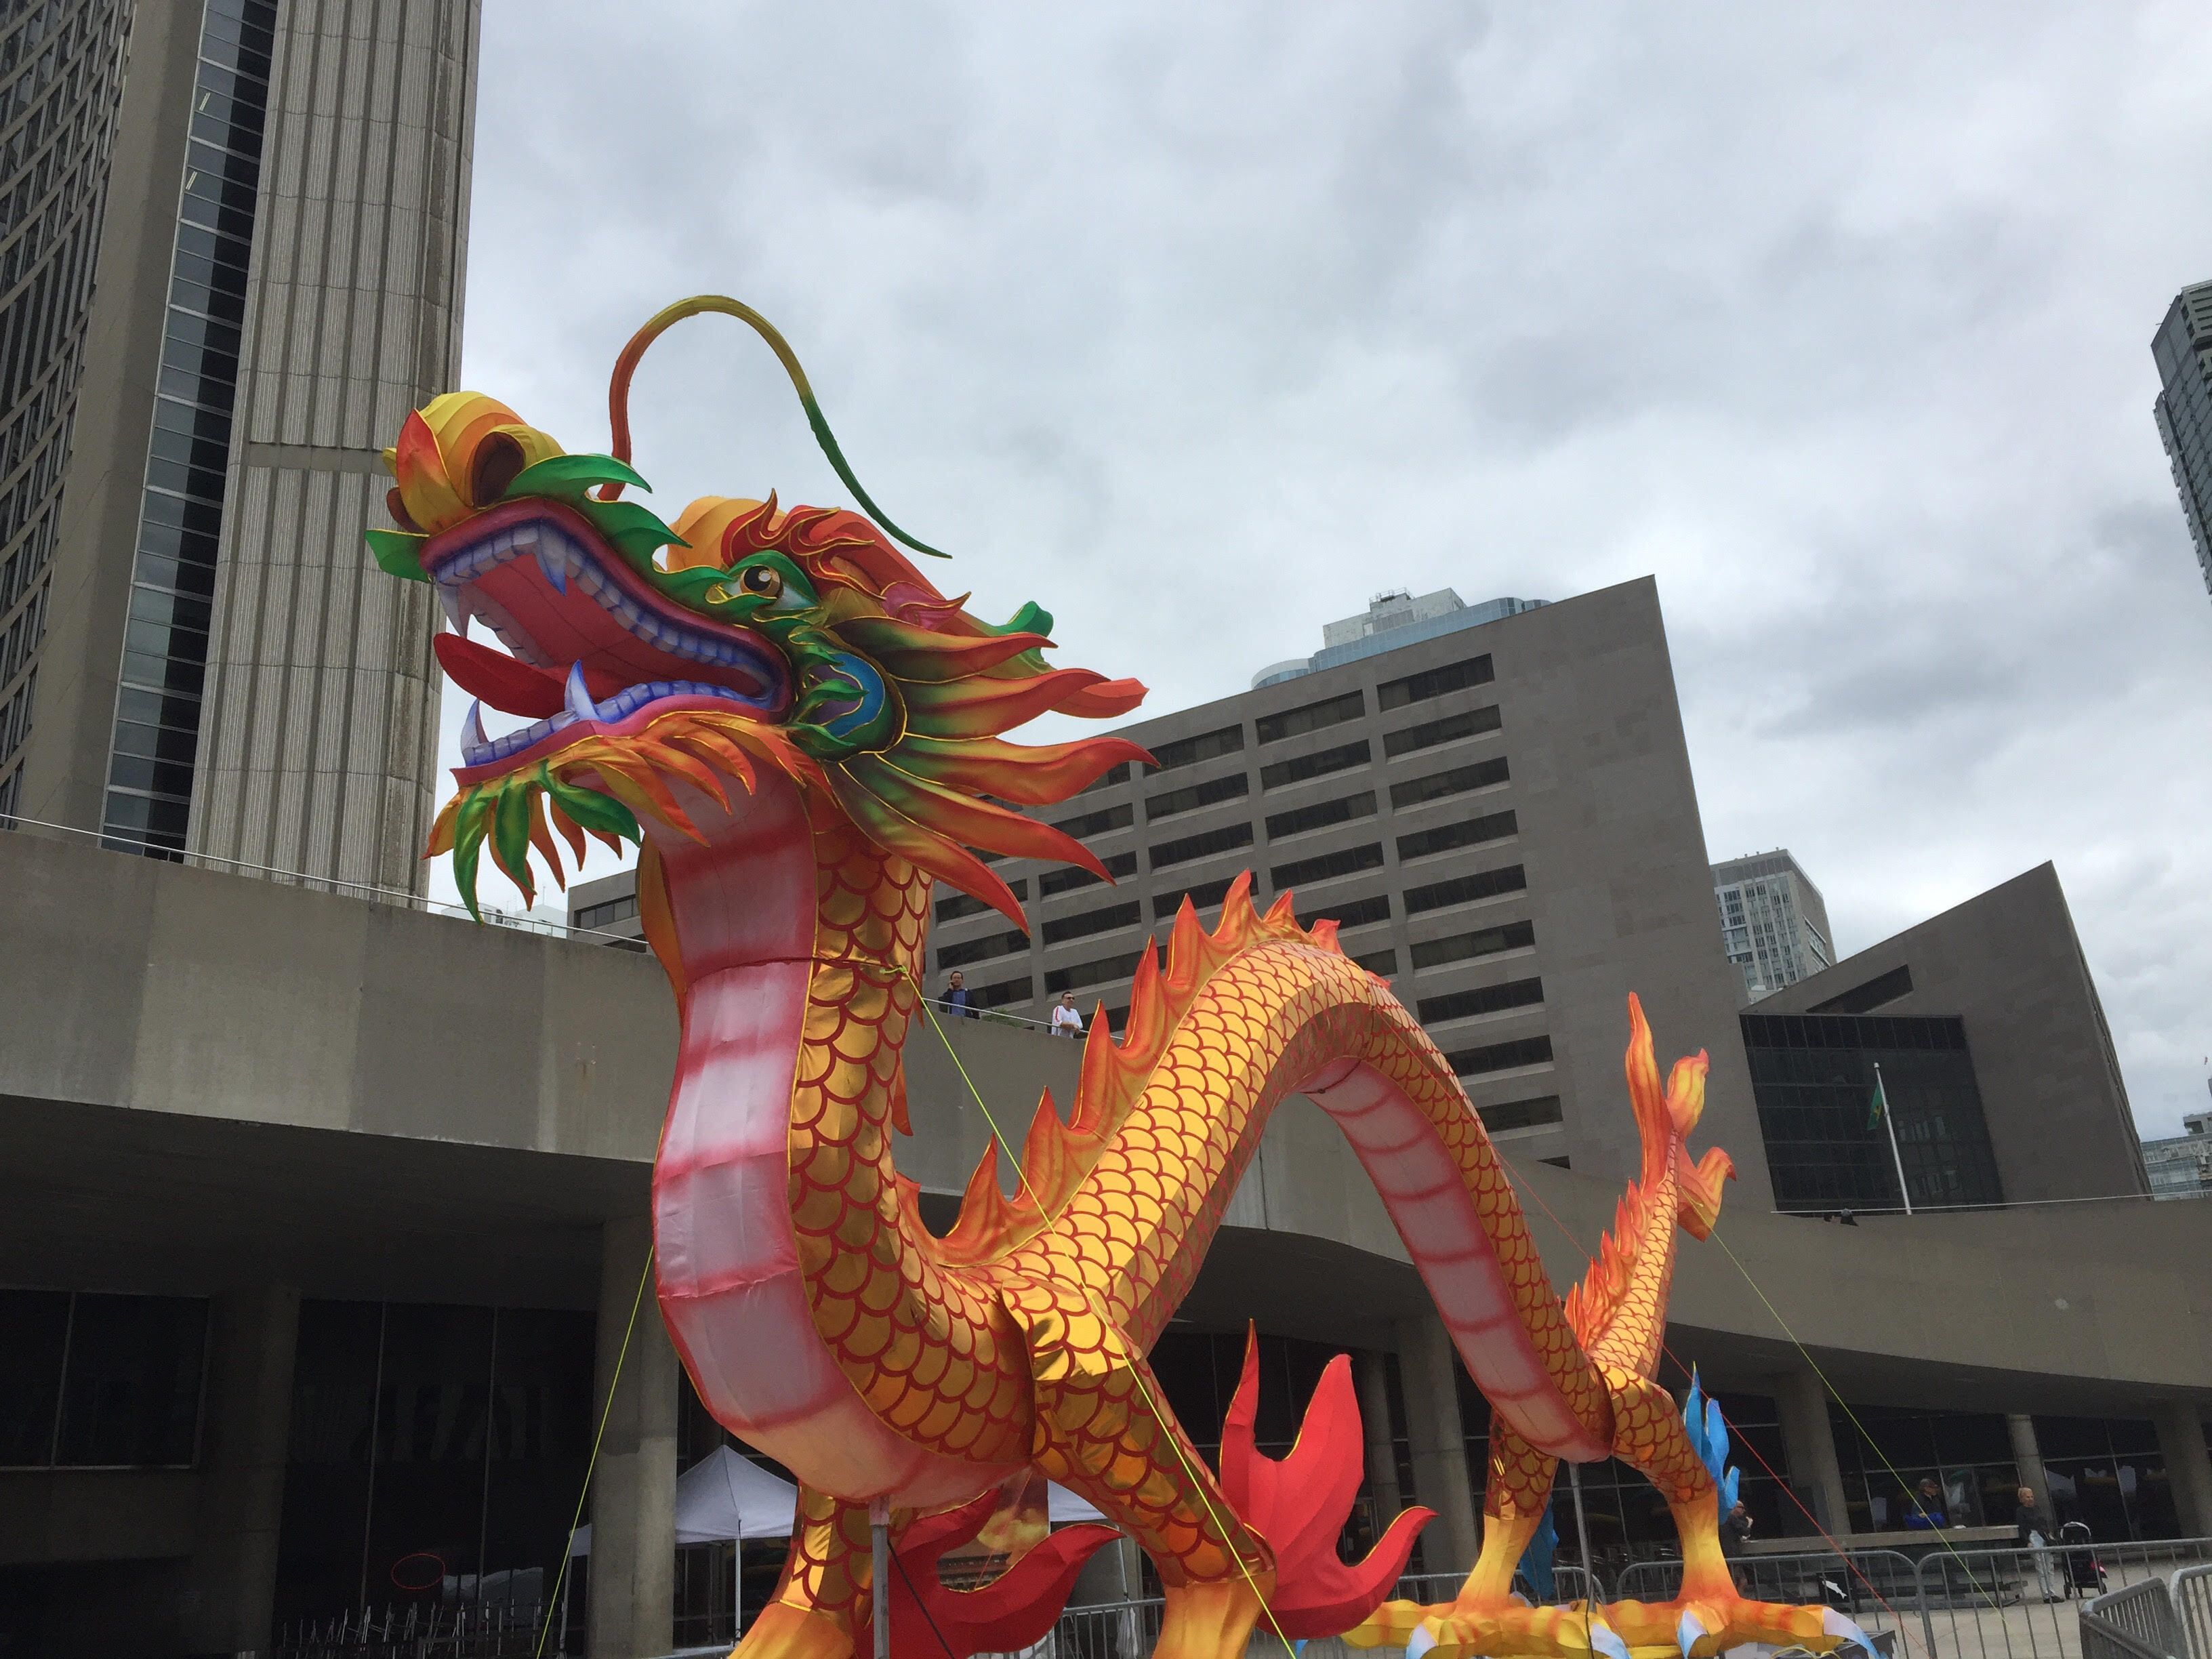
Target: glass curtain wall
{"points": [[61, 91], [157, 713], [437, 1453]]}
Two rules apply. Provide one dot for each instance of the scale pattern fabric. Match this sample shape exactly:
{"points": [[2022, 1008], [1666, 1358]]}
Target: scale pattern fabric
{"points": [[804, 735]]}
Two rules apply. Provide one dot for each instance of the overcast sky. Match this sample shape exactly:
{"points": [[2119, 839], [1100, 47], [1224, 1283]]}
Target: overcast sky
{"points": [[1201, 325]]}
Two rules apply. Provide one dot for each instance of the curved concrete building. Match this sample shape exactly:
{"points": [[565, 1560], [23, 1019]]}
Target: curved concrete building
{"points": [[361, 1194]]}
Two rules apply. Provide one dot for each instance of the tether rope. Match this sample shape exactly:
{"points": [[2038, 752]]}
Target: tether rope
{"points": [[1521, 1181], [606, 1412], [1168, 1424]]}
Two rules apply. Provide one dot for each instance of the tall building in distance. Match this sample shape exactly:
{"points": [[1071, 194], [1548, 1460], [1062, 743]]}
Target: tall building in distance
{"points": [[254, 218], [2181, 1165], [2183, 350], [1773, 921]]}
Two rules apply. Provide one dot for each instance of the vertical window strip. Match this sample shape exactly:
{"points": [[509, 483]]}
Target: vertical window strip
{"points": [[188, 450]]}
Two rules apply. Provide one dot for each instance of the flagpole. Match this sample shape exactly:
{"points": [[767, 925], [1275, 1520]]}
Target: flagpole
{"points": [[1889, 1122]]}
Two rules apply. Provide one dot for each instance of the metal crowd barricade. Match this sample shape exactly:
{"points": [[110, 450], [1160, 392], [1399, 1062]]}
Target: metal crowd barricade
{"points": [[2136, 1622], [1990, 1604], [2192, 1609], [493, 1629]]}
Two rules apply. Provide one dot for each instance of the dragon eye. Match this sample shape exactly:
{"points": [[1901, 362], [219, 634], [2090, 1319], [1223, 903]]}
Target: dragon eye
{"points": [[761, 579]]}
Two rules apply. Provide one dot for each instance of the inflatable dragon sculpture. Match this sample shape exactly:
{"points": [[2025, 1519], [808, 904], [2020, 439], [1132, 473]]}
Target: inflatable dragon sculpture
{"points": [[803, 732]]}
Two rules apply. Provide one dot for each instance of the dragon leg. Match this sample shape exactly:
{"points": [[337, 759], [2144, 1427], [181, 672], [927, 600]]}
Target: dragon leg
{"points": [[1104, 1430], [822, 1607], [1486, 1617], [1710, 1615]]}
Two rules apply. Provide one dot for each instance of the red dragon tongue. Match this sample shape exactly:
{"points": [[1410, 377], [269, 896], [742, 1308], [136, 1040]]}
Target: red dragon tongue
{"points": [[511, 686]]}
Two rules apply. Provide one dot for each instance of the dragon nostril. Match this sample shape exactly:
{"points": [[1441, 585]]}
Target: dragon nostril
{"points": [[498, 462]]}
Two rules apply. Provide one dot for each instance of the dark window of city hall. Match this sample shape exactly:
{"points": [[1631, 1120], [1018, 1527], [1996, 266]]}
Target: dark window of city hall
{"points": [[421, 1434], [1814, 1074]]}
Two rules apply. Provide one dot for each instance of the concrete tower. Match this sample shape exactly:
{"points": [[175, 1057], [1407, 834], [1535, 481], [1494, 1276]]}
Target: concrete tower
{"points": [[279, 280]]}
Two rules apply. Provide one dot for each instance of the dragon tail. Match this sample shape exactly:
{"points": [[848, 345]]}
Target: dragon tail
{"points": [[1635, 1258]]}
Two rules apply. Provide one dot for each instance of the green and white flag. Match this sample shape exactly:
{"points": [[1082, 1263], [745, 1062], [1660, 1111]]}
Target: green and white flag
{"points": [[1879, 1104]]}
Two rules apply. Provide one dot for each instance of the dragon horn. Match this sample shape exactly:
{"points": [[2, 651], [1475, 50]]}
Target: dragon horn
{"points": [[661, 322]]}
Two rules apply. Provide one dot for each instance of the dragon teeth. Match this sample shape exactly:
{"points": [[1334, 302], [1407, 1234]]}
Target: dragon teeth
{"points": [[552, 559], [579, 695]]}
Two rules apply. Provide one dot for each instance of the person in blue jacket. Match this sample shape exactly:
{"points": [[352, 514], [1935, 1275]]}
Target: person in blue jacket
{"points": [[1924, 1513]]}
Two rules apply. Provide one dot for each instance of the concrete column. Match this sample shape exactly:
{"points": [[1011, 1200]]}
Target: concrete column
{"points": [[247, 1426], [1809, 1441], [2188, 1465], [1430, 1371], [633, 1560], [1375, 1422], [2028, 1460]]}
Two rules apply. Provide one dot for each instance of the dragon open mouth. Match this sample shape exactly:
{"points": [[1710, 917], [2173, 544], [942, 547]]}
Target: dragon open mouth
{"points": [[595, 649]]}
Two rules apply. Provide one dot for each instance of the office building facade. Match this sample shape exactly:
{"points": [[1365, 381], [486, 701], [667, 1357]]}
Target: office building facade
{"points": [[2180, 1166], [61, 99], [2182, 347], [1774, 923], [215, 667], [1500, 818]]}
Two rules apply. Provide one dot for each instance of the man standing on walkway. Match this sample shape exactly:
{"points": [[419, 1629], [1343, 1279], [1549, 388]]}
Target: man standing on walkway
{"points": [[2036, 1533]]}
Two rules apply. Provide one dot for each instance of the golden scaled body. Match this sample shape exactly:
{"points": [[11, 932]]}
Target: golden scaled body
{"points": [[1018, 1338]]}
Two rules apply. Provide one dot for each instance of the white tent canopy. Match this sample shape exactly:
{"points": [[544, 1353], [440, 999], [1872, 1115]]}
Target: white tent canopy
{"points": [[1062, 1506], [726, 1495], [721, 1497]]}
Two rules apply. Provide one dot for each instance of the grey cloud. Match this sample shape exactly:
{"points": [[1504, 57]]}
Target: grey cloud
{"points": [[1200, 324]]}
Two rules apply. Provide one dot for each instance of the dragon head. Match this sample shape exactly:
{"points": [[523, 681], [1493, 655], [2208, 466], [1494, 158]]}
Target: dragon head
{"points": [[651, 658]]}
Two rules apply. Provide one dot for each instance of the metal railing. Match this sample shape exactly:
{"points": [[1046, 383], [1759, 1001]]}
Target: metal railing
{"points": [[494, 1630], [2134, 1623], [2192, 1609], [1963, 1604]]}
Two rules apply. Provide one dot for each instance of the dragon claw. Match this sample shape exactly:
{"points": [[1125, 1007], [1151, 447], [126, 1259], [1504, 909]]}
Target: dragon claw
{"points": [[1834, 1624], [1423, 1639], [1689, 1631], [1605, 1639]]}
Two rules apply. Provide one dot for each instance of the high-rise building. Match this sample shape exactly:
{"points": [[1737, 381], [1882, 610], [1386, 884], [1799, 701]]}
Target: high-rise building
{"points": [[1493, 801], [2180, 1166], [1500, 814], [2183, 350], [238, 236], [1773, 921]]}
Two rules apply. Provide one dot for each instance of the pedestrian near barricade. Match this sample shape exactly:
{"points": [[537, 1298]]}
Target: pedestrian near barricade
{"points": [[2036, 1533], [1066, 1021]]}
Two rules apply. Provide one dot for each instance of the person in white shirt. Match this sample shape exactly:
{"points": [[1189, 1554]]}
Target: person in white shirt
{"points": [[1065, 1022]]}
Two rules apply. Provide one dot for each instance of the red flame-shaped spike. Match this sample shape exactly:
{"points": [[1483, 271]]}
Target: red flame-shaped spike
{"points": [[1299, 1505]]}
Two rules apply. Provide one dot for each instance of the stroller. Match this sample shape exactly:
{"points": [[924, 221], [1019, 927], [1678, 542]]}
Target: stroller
{"points": [[2085, 1574]]}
